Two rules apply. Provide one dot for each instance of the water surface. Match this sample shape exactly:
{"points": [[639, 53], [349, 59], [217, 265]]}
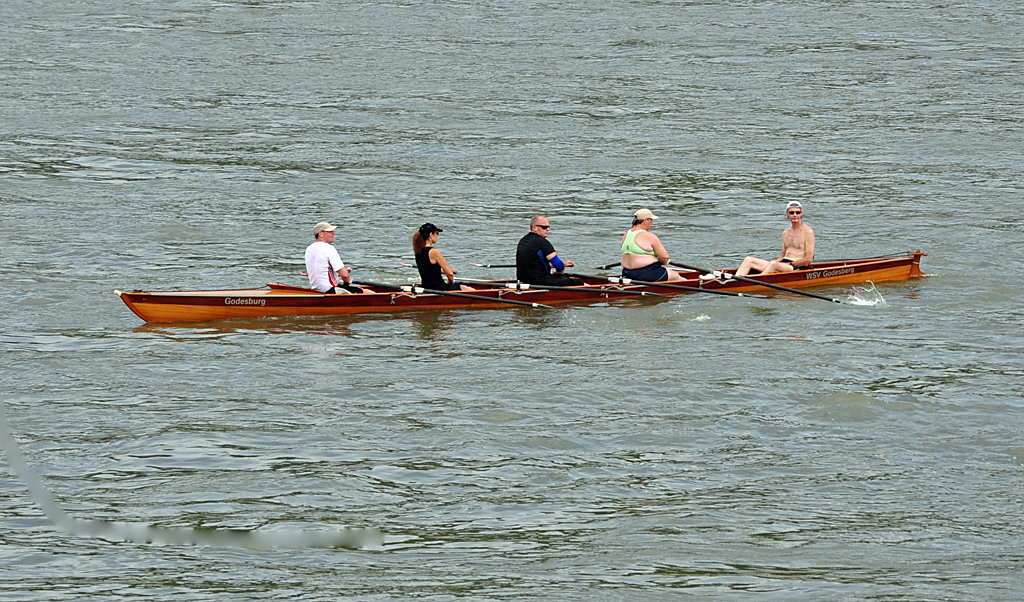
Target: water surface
{"points": [[698, 447]]}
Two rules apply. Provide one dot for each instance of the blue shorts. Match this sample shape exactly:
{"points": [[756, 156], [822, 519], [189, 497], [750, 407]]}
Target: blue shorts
{"points": [[649, 273]]}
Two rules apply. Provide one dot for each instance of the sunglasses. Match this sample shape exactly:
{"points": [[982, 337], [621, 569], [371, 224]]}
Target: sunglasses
{"points": [[794, 212], [545, 227]]}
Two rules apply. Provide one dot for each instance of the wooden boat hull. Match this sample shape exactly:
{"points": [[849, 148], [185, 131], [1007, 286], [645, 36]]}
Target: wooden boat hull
{"points": [[830, 273], [283, 300]]}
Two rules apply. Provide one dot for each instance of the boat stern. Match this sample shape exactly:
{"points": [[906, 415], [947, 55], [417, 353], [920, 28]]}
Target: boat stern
{"points": [[915, 264]]}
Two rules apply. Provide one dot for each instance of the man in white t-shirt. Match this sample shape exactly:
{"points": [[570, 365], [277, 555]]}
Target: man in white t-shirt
{"points": [[327, 273]]}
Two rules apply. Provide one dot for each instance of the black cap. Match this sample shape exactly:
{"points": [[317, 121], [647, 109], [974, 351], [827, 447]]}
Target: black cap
{"points": [[428, 228]]}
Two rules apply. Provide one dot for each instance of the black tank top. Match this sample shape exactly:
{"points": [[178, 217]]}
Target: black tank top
{"points": [[431, 275]]}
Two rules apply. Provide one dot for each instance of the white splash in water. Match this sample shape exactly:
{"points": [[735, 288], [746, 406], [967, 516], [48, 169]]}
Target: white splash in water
{"points": [[866, 295], [346, 537]]}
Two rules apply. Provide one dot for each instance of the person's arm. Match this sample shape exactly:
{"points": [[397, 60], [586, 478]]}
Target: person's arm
{"points": [[557, 263], [333, 259], [438, 258], [346, 275], [659, 249], [808, 249]]}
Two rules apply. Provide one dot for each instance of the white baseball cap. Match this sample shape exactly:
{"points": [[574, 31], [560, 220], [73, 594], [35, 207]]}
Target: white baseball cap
{"points": [[323, 227]]}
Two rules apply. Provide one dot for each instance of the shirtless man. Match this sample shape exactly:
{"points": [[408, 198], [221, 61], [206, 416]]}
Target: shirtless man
{"points": [[797, 247], [643, 255]]}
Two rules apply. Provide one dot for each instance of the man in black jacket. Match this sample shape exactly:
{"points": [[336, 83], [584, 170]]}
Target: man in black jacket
{"points": [[535, 258]]}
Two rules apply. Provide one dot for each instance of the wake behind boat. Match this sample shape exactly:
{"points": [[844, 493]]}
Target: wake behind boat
{"points": [[285, 300]]}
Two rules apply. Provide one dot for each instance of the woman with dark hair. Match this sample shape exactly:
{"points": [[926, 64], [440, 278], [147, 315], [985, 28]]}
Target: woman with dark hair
{"points": [[431, 263]]}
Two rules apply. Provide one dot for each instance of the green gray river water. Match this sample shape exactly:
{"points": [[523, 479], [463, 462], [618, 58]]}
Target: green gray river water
{"points": [[693, 448]]}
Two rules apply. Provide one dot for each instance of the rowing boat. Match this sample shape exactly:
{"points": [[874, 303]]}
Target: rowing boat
{"points": [[284, 300]]}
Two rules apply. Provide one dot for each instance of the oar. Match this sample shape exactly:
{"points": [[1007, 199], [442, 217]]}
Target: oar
{"points": [[678, 287], [493, 265], [622, 281], [417, 290], [618, 263], [409, 265], [728, 276], [520, 286]]}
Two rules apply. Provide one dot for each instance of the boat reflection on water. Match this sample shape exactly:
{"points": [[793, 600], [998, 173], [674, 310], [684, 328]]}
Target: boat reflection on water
{"points": [[429, 325], [426, 325]]}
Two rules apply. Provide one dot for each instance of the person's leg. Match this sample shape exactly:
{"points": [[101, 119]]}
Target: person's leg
{"points": [[775, 267], [451, 286], [561, 280], [752, 263]]}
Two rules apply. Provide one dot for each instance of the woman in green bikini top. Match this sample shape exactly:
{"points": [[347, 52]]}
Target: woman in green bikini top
{"points": [[635, 258], [630, 247]]}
